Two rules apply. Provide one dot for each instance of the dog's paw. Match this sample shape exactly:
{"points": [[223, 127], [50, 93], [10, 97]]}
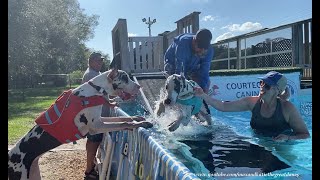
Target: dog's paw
{"points": [[147, 124], [173, 126], [158, 113], [160, 109]]}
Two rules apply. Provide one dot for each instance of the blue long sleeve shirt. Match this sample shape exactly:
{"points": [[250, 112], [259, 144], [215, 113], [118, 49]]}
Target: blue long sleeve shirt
{"points": [[180, 51]]}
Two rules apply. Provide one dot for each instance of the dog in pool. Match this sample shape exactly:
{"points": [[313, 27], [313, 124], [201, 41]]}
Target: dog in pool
{"points": [[180, 96]]}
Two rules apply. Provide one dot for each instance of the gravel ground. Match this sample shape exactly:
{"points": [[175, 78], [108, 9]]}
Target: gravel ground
{"points": [[63, 165], [66, 162]]}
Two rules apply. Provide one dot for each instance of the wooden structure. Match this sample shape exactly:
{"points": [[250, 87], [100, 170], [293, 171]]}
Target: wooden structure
{"points": [[144, 53], [287, 45]]}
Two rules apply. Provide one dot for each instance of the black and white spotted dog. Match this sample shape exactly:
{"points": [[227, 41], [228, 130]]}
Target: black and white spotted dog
{"points": [[180, 96], [23, 157]]}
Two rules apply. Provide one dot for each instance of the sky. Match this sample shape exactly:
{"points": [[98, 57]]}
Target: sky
{"points": [[224, 18]]}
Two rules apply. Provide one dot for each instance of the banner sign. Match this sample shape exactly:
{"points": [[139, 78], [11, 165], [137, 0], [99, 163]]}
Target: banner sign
{"points": [[228, 88]]}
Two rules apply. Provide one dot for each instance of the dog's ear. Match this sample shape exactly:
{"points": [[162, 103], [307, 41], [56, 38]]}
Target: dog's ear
{"points": [[116, 61], [114, 66], [113, 74]]}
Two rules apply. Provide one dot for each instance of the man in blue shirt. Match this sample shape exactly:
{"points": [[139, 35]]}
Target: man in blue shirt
{"points": [[195, 53]]}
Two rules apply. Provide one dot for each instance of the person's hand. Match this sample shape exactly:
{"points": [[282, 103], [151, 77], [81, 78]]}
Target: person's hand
{"points": [[198, 91], [286, 94], [206, 90], [281, 138], [144, 124], [116, 99]]}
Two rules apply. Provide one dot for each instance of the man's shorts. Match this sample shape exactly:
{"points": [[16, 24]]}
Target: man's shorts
{"points": [[95, 137]]}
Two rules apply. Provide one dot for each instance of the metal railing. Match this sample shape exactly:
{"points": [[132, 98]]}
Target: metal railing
{"points": [[137, 155], [282, 46]]}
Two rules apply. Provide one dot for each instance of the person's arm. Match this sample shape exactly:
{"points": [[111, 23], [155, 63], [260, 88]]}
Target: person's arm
{"points": [[175, 56], [296, 122], [242, 104], [122, 119], [169, 59], [203, 73], [180, 58]]}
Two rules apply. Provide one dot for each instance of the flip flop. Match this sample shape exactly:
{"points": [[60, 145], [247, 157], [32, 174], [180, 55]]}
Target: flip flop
{"points": [[92, 175]]}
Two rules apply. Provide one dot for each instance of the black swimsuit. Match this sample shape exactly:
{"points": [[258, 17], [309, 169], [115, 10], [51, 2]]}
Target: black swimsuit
{"points": [[274, 124]]}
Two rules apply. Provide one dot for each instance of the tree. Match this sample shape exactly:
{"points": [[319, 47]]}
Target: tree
{"points": [[46, 36]]}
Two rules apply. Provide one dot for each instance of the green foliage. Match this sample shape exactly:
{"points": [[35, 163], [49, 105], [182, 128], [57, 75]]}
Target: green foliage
{"points": [[55, 80], [21, 114], [46, 37], [19, 127], [106, 63], [76, 74], [76, 77]]}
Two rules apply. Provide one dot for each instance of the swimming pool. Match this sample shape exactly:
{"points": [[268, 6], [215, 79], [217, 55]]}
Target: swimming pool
{"points": [[230, 149]]}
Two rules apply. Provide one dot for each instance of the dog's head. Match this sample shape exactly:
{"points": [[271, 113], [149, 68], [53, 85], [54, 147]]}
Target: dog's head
{"points": [[117, 83], [178, 87]]}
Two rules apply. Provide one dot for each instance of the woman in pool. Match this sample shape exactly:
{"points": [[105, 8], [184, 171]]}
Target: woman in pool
{"points": [[272, 113]]}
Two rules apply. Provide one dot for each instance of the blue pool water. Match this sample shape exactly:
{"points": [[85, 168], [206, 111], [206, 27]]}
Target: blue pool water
{"points": [[230, 149]]}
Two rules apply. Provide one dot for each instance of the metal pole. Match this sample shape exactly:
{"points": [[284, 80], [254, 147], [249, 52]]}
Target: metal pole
{"points": [[149, 26], [149, 23]]}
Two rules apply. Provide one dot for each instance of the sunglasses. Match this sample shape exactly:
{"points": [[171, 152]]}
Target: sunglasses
{"points": [[266, 86]]}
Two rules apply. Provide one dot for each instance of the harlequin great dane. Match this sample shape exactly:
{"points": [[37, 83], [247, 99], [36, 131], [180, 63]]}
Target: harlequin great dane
{"points": [[74, 114], [180, 96]]}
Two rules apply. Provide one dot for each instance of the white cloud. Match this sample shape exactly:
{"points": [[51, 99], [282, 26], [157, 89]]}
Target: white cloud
{"points": [[223, 36], [208, 18], [247, 26], [132, 34]]}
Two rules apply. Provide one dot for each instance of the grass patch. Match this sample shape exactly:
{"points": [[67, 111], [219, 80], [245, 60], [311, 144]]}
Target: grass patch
{"points": [[25, 106], [18, 127]]}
